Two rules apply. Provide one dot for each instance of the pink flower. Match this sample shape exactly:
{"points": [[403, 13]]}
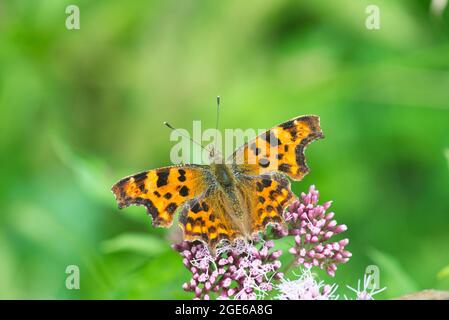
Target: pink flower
{"points": [[245, 270], [239, 271], [306, 287], [313, 228], [365, 292]]}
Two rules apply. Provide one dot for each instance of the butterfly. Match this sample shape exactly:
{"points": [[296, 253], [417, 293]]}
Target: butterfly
{"points": [[231, 199]]}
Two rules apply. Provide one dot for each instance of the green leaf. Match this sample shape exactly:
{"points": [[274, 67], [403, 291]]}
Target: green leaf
{"points": [[392, 274], [158, 278], [446, 153], [444, 273], [89, 173], [145, 244]]}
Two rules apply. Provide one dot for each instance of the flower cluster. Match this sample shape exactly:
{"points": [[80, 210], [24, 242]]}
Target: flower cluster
{"points": [[245, 270], [306, 287], [312, 228], [239, 271]]}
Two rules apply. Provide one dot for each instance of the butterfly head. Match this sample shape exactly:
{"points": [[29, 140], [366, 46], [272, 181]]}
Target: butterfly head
{"points": [[215, 156]]}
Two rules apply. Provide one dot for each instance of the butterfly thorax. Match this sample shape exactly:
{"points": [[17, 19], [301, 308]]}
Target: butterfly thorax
{"points": [[231, 196], [223, 174]]}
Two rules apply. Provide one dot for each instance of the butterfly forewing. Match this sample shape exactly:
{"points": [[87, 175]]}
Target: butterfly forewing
{"points": [[271, 194], [162, 190], [280, 148]]}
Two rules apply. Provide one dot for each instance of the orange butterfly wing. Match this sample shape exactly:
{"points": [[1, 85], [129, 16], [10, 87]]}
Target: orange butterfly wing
{"points": [[280, 148], [205, 218], [264, 198], [263, 162], [162, 190], [271, 195]]}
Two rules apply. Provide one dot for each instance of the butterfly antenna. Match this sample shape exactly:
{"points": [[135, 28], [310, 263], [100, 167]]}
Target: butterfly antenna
{"points": [[182, 134], [216, 123], [218, 112]]}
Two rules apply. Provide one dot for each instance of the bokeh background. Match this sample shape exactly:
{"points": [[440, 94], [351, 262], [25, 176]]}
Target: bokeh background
{"points": [[80, 109]]}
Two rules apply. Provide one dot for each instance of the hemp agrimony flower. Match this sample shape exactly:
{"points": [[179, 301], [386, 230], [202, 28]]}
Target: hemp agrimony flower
{"points": [[312, 228], [239, 271], [250, 270]]}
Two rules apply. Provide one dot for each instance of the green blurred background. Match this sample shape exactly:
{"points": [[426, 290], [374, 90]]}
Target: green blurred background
{"points": [[80, 109]]}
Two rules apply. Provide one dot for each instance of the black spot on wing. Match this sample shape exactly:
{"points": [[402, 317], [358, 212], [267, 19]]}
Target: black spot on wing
{"points": [[162, 178], [266, 182], [184, 191], [271, 138], [171, 207], [183, 216], [285, 167], [274, 194], [139, 180], [212, 229], [288, 124], [182, 175], [264, 162], [140, 177], [223, 236], [266, 220], [196, 207], [280, 209]]}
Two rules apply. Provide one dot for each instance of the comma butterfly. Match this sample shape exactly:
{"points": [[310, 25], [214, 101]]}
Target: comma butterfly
{"points": [[226, 201]]}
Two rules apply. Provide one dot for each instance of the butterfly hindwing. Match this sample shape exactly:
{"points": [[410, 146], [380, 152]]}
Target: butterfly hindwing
{"points": [[204, 218], [271, 195], [264, 199], [280, 148], [268, 196], [161, 191]]}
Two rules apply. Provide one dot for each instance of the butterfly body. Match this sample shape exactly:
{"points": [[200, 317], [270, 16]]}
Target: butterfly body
{"points": [[223, 174], [231, 199], [229, 188]]}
